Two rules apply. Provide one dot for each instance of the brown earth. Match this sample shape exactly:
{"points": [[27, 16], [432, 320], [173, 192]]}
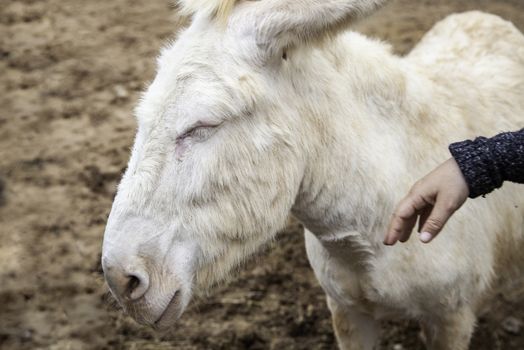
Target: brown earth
{"points": [[71, 72]]}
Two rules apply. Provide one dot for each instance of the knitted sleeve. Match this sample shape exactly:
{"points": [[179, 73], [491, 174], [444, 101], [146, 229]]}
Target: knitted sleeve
{"points": [[487, 162]]}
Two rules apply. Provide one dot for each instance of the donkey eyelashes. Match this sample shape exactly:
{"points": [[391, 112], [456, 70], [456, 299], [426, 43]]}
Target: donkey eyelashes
{"points": [[195, 133], [198, 130]]}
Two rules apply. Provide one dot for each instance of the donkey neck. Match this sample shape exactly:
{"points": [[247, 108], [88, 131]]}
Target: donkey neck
{"points": [[365, 102]]}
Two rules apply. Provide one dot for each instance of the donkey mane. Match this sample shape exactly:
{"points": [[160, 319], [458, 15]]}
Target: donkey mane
{"points": [[217, 9]]}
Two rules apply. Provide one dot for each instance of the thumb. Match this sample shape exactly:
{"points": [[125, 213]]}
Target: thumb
{"points": [[436, 220]]}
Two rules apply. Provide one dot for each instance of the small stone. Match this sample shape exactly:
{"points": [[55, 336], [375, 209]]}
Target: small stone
{"points": [[27, 335], [512, 325], [398, 347], [310, 310], [121, 92]]}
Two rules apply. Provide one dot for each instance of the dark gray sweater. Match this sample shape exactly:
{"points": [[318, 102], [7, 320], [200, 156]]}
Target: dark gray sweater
{"points": [[487, 162]]}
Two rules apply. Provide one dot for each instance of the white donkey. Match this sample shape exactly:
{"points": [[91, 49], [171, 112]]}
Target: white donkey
{"points": [[272, 108]]}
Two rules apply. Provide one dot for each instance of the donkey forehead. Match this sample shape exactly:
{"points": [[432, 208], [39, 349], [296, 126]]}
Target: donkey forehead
{"points": [[207, 45], [199, 76]]}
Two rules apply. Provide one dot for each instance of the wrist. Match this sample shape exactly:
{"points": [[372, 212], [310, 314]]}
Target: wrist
{"points": [[473, 158]]}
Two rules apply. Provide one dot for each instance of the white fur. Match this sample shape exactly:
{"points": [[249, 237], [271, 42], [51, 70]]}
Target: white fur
{"points": [[335, 133], [212, 8]]}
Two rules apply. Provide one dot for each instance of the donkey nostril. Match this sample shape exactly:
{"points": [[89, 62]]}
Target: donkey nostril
{"points": [[137, 286], [128, 283], [133, 283]]}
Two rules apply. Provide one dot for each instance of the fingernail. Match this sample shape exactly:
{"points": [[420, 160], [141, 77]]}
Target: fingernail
{"points": [[425, 237]]}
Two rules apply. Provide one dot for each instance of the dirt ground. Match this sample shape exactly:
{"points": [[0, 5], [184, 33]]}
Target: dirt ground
{"points": [[70, 74]]}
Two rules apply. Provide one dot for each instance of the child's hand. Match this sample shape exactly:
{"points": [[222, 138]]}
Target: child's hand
{"points": [[434, 198]]}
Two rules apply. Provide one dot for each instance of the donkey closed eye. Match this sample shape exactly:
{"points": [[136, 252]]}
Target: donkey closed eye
{"points": [[195, 133]]}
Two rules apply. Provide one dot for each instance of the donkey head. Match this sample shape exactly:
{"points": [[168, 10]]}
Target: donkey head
{"points": [[219, 155]]}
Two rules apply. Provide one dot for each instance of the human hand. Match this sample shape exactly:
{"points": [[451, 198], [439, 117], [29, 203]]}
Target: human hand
{"points": [[434, 199]]}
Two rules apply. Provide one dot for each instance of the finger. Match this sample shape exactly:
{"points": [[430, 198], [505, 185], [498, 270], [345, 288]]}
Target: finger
{"points": [[435, 222], [402, 215], [424, 215], [400, 229], [408, 228], [404, 219]]}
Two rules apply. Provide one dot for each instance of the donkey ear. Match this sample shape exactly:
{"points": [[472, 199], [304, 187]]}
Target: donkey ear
{"points": [[284, 23]]}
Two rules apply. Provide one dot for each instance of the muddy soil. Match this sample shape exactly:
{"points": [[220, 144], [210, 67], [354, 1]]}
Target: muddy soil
{"points": [[70, 74]]}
